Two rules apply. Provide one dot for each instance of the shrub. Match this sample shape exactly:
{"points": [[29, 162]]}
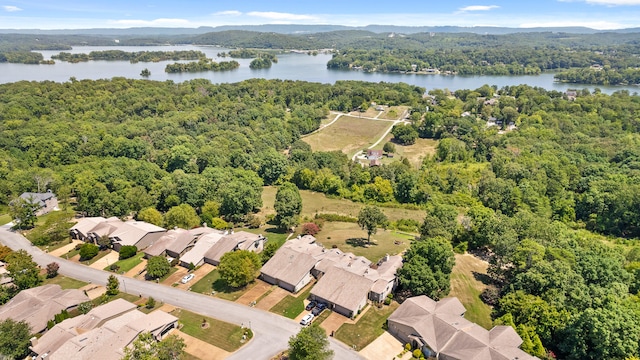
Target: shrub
{"points": [[114, 267], [218, 223], [417, 353], [52, 270], [85, 307], [127, 251], [254, 221], [461, 248], [408, 225], [490, 296], [407, 347], [151, 303], [310, 229], [88, 251], [389, 147]]}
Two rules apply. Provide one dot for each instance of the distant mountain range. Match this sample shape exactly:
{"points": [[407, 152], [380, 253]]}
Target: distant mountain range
{"points": [[309, 29]]}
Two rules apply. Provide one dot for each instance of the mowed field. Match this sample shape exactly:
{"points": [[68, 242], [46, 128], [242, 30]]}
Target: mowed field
{"points": [[467, 285], [313, 203], [415, 153], [349, 134]]}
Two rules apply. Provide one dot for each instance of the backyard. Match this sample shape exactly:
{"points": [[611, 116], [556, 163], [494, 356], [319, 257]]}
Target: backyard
{"points": [[467, 285]]}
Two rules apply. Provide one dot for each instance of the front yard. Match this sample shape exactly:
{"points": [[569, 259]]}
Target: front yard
{"points": [[127, 264], [218, 333], [367, 328], [212, 283], [291, 306]]}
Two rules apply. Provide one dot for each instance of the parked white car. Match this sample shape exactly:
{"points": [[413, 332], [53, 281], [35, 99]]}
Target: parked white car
{"points": [[187, 278], [306, 320]]}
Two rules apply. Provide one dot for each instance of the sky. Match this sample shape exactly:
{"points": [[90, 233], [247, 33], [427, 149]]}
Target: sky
{"points": [[84, 14]]}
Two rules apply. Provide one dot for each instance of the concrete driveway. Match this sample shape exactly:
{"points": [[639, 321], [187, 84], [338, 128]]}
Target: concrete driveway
{"points": [[384, 347], [271, 332], [106, 260]]}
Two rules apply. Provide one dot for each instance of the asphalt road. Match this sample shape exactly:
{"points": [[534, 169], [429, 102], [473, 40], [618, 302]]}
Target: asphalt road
{"points": [[271, 332]]}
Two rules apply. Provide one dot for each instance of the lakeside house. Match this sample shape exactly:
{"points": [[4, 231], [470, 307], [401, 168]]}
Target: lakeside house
{"points": [[440, 331], [46, 202], [36, 306]]}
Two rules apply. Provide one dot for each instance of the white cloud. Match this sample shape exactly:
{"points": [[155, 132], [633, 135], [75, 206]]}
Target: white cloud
{"points": [[228, 13], [280, 16], [479, 8], [154, 22], [614, 2], [11, 8], [598, 25]]}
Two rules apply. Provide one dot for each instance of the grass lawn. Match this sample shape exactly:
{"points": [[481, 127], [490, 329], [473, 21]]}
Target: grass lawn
{"points": [[65, 282], [291, 306], [467, 285], [272, 233], [171, 271], [70, 254], [121, 295], [314, 202], [219, 333], [414, 153], [328, 119], [393, 112], [212, 282], [43, 218], [348, 237], [349, 134], [322, 317], [128, 264], [5, 219], [368, 327]]}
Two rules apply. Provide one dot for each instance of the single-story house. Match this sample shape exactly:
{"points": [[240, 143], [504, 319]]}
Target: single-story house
{"points": [[80, 231], [195, 256], [135, 233], [440, 330], [374, 154], [46, 202], [173, 243], [289, 269], [108, 341], [387, 279], [343, 291], [336, 258], [240, 240], [36, 306], [53, 339]]}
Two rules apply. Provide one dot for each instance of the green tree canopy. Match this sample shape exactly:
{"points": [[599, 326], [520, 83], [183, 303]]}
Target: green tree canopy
{"points": [[88, 251], [157, 267], [23, 270], [427, 268], [311, 343], [23, 213], [145, 347], [14, 339], [183, 216], [370, 218], [288, 205], [150, 215], [113, 285], [238, 268]]}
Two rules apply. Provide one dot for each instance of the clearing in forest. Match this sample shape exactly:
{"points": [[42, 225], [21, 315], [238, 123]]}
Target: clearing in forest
{"points": [[348, 134], [468, 280]]}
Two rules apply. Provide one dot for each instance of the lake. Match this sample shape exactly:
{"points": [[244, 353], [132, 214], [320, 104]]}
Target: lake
{"points": [[290, 66]]}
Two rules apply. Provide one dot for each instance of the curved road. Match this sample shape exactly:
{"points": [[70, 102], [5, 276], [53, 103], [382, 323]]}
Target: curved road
{"points": [[271, 332]]}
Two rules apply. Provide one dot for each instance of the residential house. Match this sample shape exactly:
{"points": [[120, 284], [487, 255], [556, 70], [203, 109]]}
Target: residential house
{"points": [[386, 281], [345, 292], [104, 228], [173, 243], [135, 233], [571, 94], [57, 336], [203, 243], [290, 267], [38, 305], [240, 240], [375, 162], [440, 331], [374, 154], [80, 231], [46, 202], [108, 341]]}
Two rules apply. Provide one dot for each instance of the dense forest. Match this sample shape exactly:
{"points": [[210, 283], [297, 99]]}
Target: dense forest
{"points": [[202, 65], [536, 200], [133, 57]]}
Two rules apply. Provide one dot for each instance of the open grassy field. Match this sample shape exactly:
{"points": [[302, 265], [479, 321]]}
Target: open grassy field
{"points": [[128, 264], [393, 112], [313, 203], [218, 333], [349, 134], [368, 327], [328, 119], [272, 233], [348, 237], [291, 306], [467, 285], [65, 282]]}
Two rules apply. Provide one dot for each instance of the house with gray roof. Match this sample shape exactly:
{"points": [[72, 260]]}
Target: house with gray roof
{"points": [[36, 306], [290, 267], [440, 331], [345, 292], [240, 240], [203, 243], [80, 231], [46, 202], [5, 279], [135, 233]]}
